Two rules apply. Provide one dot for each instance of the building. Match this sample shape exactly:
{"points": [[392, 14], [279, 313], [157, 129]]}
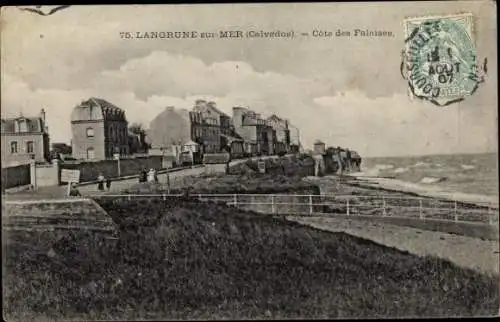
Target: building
{"points": [[206, 127], [280, 126], [319, 147], [258, 136], [99, 130], [172, 127], [295, 146], [25, 138], [229, 140]]}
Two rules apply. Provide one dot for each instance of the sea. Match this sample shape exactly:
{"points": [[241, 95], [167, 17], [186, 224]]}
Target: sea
{"points": [[463, 173]]}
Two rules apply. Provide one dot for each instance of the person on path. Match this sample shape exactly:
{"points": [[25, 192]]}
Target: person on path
{"points": [[100, 182], [155, 176], [74, 192], [151, 175], [108, 184], [143, 176]]}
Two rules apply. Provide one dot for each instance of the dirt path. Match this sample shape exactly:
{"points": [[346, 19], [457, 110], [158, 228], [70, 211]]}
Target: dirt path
{"points": [[475, 253]]}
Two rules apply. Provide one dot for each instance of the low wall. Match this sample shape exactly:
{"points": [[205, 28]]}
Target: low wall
{"points": [[16, 176], [214, 169], [89, 171], [47, 175]]}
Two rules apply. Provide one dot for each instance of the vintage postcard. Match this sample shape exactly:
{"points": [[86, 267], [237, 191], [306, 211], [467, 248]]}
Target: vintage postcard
{"points": [[250, 161]]}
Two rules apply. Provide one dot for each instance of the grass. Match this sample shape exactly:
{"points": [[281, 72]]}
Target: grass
{"points": [[182, 259]]}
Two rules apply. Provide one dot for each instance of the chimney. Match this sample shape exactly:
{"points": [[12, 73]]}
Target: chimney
{"points": [[42, 115]]}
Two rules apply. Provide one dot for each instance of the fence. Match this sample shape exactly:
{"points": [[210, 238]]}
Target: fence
{"points": [[421, 208]]}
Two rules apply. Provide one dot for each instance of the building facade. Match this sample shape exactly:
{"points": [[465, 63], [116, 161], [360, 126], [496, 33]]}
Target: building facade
{"points": [[295, 145], [258, 136], [25, 138], [280, 126], [172, 127], [99, 130]]}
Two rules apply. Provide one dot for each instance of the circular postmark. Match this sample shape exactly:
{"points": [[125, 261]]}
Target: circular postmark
{"points": [[440, 60]]}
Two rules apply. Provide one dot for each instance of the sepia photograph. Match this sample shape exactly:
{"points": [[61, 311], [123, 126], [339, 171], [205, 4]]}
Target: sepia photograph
{"points": [[250, 161]]}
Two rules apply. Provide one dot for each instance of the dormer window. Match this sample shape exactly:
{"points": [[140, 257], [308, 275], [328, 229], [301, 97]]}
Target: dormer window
{"points": [[21, 126]]}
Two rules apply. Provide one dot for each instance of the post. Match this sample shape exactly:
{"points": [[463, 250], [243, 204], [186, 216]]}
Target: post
{"points": [[199, 196], [421, 215], [490, 216], [384, 211], [310, 204], [164, 197], [235, 199], [455, 211], [68, 188], [347, 210], [272, 204], [129, 197], [119, 170], [33, 174], [168, 183]]}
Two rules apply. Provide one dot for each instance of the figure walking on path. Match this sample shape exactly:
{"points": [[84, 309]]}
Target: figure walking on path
{"points": [[100, 182], [108, 184]]}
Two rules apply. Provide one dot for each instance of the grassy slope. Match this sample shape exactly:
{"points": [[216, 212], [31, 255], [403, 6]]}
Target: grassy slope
{"points": [[177, 261]]}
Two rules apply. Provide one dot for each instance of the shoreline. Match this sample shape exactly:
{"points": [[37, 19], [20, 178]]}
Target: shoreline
{"points": [[432, 192]]}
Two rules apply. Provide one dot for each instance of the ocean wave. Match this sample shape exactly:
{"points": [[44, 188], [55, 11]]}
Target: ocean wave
{"points": [[401, 170], [383, 166], [468, 166], [421, 164], [430, 180]]}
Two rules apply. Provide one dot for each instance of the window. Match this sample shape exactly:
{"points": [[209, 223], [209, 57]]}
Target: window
{"points": [[90, 132], [29, 147], [13, 147], [23, 126], [90, 153]]}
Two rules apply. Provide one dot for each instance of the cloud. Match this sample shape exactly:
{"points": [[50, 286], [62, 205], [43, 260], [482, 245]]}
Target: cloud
{"points": [[144, 86], [396, 125]]}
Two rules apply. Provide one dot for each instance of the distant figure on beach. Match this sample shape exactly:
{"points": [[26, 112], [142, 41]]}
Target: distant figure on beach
{"points": [[108, 183], [100, 182], [155, 176], [74, 192], [143, 176]]}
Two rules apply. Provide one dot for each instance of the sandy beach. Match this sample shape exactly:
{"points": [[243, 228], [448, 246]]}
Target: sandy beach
{"points": [[475, 253]]}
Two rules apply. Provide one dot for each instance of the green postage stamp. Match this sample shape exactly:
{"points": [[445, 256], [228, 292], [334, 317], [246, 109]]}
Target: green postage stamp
{"points": [[440, 58]]}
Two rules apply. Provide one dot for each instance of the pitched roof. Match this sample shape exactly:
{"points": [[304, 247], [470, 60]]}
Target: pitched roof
{"points": [[33, 124], [97, 109]]}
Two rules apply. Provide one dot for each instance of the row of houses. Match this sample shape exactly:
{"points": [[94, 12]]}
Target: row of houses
{"points": [[100, 131], [209, 130]]}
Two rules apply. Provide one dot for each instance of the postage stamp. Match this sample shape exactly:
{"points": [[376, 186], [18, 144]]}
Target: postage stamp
{"points": [[440, 58]]}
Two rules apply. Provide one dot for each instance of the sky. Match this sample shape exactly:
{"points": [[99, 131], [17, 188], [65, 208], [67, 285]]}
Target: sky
{"points": [[345, 91]]}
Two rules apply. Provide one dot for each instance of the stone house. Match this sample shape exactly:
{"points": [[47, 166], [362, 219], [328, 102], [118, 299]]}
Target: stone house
{"points": [[99, 130], [25, 138], [258, 136]]}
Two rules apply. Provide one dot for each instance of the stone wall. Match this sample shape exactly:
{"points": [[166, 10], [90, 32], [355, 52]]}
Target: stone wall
{"points": [[46, 175], [16, 176], [89, 171], [215, 169]]}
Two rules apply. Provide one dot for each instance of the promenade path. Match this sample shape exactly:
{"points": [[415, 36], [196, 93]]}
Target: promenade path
{"points": [[117, 186]]}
